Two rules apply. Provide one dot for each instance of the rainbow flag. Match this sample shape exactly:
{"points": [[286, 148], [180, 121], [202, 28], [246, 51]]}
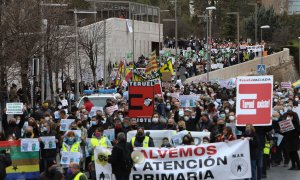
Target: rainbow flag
{"points": [[25, 165]]}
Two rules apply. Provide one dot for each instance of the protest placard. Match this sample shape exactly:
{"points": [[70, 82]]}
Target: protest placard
{"points": [[68, 157], [207, 161], [286, 85], [188, 100], [286, 125], [14, 108], [30, 144], [110, 134], [254, 106], [141, 101], [94, 111], [103, 168], [49, 142], [65, 124]]}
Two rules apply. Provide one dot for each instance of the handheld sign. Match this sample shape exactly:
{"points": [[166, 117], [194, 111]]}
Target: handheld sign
{"points": [[254, 100], [14, 108]]}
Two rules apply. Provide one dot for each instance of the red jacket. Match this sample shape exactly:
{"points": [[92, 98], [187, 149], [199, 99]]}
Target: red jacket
{"points": [[88, 105]]}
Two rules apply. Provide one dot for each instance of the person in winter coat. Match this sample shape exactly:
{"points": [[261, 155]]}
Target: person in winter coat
{"points": [[120, 158], [5, 161], [250, 134], [292, 139], [14, 126]]}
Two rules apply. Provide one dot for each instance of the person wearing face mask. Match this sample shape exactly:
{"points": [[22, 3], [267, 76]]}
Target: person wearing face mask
{"points": [[191, 118], [217, 129], [171, 124], [98, 140], [156, 125], [281, 149], [11, 128], [250, 134], [118, 126], [93, 126], [48, 155], [141, 140], [133, 124], [120, 115], [70, 143], [126, 125], [291, 139]]}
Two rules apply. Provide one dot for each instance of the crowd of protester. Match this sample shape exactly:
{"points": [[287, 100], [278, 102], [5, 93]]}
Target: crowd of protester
{"points": [[214, 112]]}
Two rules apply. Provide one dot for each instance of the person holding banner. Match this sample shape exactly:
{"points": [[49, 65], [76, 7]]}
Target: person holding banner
{"points": [[47, 155], [291, 137], [97, 140], [141, 140], [253, 138], [11, 127]]}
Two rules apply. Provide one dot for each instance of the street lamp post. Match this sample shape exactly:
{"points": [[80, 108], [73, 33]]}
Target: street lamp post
{"points": [[238, 32], [255, 5], [44, 27], [210, 9], [261, 38], [76, 69]]}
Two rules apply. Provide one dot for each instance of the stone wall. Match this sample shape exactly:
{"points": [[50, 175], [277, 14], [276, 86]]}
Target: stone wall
{"points": [[246, 68]]}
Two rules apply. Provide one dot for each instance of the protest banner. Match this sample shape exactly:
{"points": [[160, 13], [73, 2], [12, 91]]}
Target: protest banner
{"points": [[286, 85], [188, 100], [286, 125], [103, 168], [197, 137], [158, 135], [68, 157], [228, 83], [94, 110], [14, 108], [30, 144], [208, 161], [25, 165], [141, 101], [110, 134], [254, 106], [65, 124], [49, 142]]}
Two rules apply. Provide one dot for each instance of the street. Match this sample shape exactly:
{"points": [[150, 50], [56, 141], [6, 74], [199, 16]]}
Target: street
{"points": [[280, 172]]}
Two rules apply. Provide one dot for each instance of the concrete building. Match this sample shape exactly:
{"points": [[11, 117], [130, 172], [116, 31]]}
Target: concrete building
{"points": [[115, 41], [282, 6]]}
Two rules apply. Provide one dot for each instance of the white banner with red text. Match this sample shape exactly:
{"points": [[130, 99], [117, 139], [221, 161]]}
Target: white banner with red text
{"points": [[208, 161]]}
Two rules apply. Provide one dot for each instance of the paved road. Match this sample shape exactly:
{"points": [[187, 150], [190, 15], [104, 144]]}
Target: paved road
{"points": [[282, 173]]}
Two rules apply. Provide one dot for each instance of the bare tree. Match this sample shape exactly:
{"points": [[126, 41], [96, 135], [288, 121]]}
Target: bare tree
{"points": [[91, 39], [58, 45], [23, 40]]}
